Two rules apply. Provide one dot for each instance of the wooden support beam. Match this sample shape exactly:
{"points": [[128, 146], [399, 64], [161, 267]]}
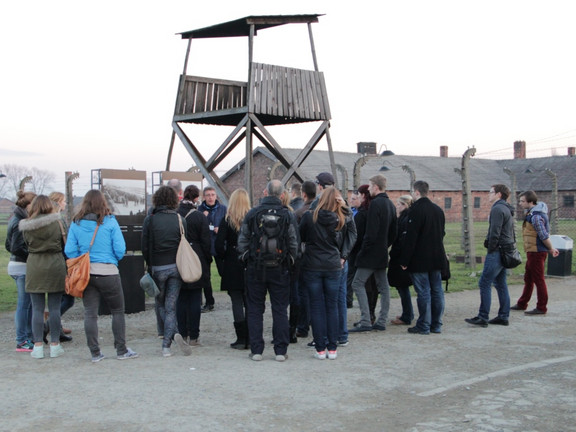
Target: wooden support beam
{"points": [[215, 157], [211, 176]]}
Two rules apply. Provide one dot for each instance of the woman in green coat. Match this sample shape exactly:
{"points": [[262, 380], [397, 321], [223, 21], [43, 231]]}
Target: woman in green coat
{"points": [[46, 271]]}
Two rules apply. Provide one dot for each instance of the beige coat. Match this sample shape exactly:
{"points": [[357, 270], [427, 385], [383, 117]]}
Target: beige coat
{"points": [[46, 267]]}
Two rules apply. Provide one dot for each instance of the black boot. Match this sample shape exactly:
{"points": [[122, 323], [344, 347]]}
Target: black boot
{"points": [[294, 315], [240, 328]]}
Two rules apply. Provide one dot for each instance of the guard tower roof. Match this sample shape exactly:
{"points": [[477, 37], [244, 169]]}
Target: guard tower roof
{"points": [[241, 26]]}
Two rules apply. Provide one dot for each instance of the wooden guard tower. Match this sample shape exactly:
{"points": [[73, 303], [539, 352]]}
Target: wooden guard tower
{"points": [[272, 95]]}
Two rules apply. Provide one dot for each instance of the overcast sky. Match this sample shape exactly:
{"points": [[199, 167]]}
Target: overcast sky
{"points": [[86, 85]]}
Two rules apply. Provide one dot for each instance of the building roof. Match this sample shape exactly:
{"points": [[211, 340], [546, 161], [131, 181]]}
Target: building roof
{"points": [[439, 172], [241, 26]]}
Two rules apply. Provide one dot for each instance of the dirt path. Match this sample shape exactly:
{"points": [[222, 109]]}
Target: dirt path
{"points": [[516, 378]]}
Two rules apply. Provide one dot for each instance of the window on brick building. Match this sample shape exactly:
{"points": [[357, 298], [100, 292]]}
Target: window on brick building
{"points": [[447, 203], [569, 201], [476, 202]]}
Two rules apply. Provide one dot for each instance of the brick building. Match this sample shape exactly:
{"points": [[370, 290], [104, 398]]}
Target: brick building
{"points": [[354, 169]]}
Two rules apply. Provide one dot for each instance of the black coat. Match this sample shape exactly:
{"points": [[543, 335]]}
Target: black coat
{"points": [[423, 249], [324, 245], [396, 276], [380, 233], [160, 237], [15, 243], [232, 268], [198, 235]]}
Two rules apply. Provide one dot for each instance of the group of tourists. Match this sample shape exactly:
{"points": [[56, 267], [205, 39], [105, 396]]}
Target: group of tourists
{"points": [[308, 249]]}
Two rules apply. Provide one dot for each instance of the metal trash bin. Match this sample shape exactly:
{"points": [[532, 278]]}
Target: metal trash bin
{"points": [[562, 264]]}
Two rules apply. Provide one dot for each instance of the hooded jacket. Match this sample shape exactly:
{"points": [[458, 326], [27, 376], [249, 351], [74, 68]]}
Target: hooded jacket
{"points": [[501, 226], [46, 268], [324, 245], [536, 228], [109, 245]]}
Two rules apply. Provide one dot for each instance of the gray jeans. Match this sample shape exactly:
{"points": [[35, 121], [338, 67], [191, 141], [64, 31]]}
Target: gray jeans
{"points": [[109, 289], [359, 287], [38, 304]]}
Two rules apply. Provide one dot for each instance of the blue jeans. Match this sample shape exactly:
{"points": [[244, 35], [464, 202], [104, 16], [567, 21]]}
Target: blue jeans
{"points": [[406, 300], [324, 290], [169, 283], [430, 300], [493, 273], [277, 284], [23, 316], [342, 304], [188, 312]]}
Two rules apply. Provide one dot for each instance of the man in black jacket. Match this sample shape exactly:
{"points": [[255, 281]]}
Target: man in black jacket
{"points": [[372, 258], [424, 257], [272, 279]]}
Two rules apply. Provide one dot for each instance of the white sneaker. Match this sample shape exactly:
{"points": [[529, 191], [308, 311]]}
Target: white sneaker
{"points": [[127, 355], [56, 350], [98, 357], [256, 357], [281, 358], [37, 352], [184, 347], [332, 355], [166, 352], [320, 355]]}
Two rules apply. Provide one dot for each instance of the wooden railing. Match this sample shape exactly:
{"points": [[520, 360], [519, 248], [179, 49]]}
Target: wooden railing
{"points": [[201, 95], [274, 90], [288, 92]]}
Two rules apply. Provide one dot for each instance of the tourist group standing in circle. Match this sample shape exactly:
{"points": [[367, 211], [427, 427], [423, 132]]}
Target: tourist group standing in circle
{"points": [[309, 250]]}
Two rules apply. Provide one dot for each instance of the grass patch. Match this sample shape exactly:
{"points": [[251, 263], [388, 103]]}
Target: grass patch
{"points": [[463, 278]]}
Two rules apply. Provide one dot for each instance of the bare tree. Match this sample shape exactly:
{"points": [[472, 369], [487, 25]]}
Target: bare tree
{"points": [[15, 173]]}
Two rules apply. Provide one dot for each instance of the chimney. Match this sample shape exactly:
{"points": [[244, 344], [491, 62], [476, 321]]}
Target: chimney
{"points": [[366, 148], [571, 151], [443, 151], [519, 149]]}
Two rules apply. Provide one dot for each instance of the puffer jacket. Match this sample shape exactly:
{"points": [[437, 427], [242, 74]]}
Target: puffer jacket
{"points": [[46, 267], [15, 243], [324, 245]]}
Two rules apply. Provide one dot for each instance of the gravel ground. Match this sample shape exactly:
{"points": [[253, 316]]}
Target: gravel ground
{"points": [[516, 378]]}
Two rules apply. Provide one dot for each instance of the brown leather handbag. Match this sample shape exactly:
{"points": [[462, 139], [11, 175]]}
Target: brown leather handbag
{"points": [[79, 272]]}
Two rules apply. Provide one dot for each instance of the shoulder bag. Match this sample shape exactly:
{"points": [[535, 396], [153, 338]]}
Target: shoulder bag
{"points": [[509, 255], [147, 282], [187, 260], [79, 271]]}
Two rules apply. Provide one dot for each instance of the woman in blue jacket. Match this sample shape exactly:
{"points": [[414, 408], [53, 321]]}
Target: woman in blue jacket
{"points": [[108, 248]]}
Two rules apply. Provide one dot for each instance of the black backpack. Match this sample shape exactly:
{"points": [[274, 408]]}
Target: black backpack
{"points": [[269, 247]]}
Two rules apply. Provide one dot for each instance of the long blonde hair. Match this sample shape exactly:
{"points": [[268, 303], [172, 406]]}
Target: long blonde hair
{"points": [[331, 200], [238, 206]]}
